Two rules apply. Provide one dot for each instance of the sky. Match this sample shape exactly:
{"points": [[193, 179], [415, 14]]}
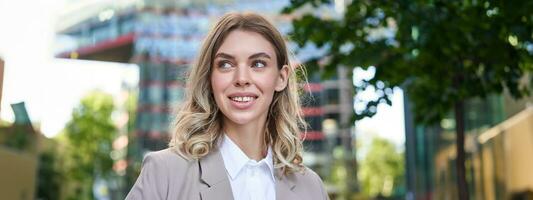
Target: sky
{"points": [[388, 123], [51, 87]]}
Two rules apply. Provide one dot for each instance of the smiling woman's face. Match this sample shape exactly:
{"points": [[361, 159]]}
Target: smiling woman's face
{"points": [[244, 77]]}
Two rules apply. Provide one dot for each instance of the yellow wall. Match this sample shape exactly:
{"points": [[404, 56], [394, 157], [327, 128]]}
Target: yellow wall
{"points": [[518, 145], [502, 160], [18, 174], [509, 157]]}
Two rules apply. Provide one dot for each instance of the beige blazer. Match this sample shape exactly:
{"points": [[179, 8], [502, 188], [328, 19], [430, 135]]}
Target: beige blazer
{"points": [[166, 175]]}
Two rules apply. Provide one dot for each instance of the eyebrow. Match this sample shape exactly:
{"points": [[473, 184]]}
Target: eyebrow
{"points": [[255, 55]]}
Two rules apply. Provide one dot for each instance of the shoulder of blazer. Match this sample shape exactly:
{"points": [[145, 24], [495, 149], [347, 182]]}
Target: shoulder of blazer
{"points": [[161, 172], [168, 163], [307, 176], [306, 181]]}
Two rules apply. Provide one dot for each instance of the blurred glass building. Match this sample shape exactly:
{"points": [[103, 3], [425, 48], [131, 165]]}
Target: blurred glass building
{"points": [[162, 37], [498, 146]]}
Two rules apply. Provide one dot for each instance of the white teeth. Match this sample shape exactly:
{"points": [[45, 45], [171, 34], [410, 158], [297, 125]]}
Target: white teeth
{"points": [[242, 99]]}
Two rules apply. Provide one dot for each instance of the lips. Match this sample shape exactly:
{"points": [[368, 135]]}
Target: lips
{"points": [[242, 100]]}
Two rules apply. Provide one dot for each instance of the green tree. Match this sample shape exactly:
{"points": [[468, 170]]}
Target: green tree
{"points": [[441, 52], [134, 155], [381, 170], [49, 176], [89, 135]]}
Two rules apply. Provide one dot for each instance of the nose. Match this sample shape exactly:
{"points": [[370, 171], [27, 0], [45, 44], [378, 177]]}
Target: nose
{"points": [[242, 76]]}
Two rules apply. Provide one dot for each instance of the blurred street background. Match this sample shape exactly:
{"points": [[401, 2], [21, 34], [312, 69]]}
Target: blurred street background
{"points": [[415, 100]]}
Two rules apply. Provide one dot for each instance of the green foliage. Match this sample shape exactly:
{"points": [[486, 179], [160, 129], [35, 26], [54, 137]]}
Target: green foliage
{"points": [[440, 51], [20, 137], [49, 180], [338, 172], [131, 107], [134, 155], [89, 137], [381, 170]]}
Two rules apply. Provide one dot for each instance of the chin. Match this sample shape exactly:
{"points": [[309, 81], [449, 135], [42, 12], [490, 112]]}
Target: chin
{"points": [[240, 120]]}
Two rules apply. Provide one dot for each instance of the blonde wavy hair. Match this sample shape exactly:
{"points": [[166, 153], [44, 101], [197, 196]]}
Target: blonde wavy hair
{"points": [[198, 122]]}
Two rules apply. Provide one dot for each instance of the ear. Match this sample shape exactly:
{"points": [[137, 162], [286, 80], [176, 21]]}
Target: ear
{"points": [[282, 80]]}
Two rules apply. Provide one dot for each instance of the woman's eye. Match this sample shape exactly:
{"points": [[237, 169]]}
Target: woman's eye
{"points": [[224, 65], [259, 64]]}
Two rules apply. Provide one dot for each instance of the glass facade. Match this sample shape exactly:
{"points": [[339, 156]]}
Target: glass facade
{"points": [[166, 37], [490, 130]]}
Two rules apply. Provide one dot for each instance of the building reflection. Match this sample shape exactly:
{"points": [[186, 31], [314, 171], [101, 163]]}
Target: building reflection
{"points": [[498, 145]]}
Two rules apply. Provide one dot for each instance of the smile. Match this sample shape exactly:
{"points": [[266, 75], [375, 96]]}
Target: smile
{"points": [[242, 99]]}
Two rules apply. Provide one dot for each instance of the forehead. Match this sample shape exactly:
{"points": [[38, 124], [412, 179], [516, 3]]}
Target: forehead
{"points": [[244, 43]]}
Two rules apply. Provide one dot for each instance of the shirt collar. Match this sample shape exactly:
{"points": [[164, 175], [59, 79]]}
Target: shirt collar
{"points": [[235, 159]]}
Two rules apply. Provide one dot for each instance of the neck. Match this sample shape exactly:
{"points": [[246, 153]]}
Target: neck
{"points": [[249, 138]]}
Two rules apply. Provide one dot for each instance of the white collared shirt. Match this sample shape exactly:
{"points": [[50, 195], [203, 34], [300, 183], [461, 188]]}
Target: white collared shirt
{"points": [[249, 179]]}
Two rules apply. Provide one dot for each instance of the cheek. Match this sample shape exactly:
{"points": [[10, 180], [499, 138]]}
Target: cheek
{"points": [[268, 86], [268, 82], [217, 89], [218, 83]]}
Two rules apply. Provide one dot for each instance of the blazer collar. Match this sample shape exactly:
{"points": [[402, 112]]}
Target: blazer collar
{"points": [[285, 185], [213, 176], [216, 185]]}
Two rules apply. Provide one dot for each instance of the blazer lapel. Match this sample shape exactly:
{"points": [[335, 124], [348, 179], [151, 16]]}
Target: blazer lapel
{"points": [[216, 184], [285, 187]]}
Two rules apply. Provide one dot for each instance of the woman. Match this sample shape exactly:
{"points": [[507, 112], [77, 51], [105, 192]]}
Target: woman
{"points": [[237, 133]]}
